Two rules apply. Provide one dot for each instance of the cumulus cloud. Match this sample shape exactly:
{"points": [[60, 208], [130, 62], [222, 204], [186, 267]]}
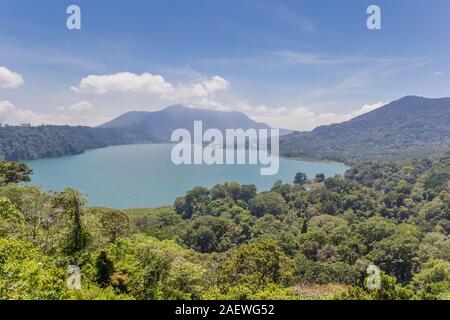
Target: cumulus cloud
{"points": [[124, 82], [74, 115], [216, 83], [82, 106], [9, 79], [10, 114], [127, 82], [6, 108], [210, 104], [301, 118]]}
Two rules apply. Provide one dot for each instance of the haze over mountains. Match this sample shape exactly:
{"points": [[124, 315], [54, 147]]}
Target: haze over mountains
{"points": [[407, 128]]}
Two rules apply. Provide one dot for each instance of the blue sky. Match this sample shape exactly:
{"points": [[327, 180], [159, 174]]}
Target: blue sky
{"points": [[294, 64]]}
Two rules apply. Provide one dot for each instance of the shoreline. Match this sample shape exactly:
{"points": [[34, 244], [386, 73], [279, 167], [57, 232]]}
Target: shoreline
{"points": [[305, 159]]}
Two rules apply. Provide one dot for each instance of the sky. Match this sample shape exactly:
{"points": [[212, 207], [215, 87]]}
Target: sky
{"points": [[292, 64]]}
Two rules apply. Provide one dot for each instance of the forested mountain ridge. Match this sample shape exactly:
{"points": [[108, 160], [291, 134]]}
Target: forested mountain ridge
{"points": [[20, 143], [412, 127]]}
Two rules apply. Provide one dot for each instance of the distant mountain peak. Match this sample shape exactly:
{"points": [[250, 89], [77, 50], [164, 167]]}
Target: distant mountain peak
{"points": [[163, 123], [177, 107]]}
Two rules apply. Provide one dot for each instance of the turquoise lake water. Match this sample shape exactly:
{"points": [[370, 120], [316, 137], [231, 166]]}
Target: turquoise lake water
{"points": [[138, 176]]}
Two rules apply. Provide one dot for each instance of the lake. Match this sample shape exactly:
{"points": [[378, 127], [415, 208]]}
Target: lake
{"points": [[139, 176]]}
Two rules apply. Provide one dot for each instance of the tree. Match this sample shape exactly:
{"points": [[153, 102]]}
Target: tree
{"points": [[114, 223], [104, 269], [10, 217], [389, 290], [27, 274], [194, 202], [300, 178], [268, 203], [320, 177], [433, 280], [258, 264], [13, 172], [208, 234], [202, 239], [396, 255], [71, 204]]}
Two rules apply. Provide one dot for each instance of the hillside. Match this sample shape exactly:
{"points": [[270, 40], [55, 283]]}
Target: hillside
{"points": [[19, 143], [163, 123], [407, 128], [412, 127], [294, 242]]}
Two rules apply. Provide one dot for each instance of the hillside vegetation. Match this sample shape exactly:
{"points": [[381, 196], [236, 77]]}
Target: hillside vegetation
{"points": [[412, 127], [21, 143], [309, 240]]}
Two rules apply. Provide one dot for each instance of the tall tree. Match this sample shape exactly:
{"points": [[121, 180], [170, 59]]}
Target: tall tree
{"points": [[71, 203]]}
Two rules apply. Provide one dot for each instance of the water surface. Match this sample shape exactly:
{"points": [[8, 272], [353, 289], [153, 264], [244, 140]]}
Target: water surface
{"points": [[138, 176]]}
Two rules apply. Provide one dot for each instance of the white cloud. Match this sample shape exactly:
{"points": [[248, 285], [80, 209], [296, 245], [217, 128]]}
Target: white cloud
{"points": [[216, 83], [127, 82], [210, 104], [365, 109], [301, 118], [6, 108], [9, 79], [82, 106], [438, 73], [12, 115], [124, 82]]}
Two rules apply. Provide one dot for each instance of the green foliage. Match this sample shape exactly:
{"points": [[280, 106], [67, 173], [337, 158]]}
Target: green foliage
{"points": [[258, 263], [70, 203], [300, 178], [396, 255], [13, 172], [242, 292], [433, 281], [113, 223], [409, 128], [105, 269], [268, 203], [21, 143], [230, 242], [26, 274], [389, 290], [161, 223], [10, 217]]}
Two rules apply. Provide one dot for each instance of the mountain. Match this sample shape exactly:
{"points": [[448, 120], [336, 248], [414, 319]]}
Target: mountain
{"points": [[412, 127], [163, 123], [21, 143]]}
